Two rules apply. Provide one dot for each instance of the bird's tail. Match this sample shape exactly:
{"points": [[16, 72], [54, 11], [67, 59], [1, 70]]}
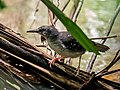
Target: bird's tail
{"points": [[101, 48]]}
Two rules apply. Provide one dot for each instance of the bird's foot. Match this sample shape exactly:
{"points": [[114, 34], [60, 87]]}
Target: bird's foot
{"points": [[51, 62]]}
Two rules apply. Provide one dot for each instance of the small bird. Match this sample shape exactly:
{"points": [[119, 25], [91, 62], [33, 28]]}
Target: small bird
{"points": [[64, 43]]}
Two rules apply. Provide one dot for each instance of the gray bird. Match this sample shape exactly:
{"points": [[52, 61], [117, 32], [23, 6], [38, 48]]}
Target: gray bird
{"points": [[63, 42]]}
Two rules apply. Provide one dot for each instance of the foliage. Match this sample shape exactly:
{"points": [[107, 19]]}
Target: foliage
{"points": [[118, 2], [2, 4]]}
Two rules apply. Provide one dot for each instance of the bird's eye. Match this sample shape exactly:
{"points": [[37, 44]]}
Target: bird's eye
{"points": [[44, 33]]}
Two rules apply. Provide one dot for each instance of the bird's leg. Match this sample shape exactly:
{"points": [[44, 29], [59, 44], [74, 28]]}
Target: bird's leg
{"points": [[55, 59], [78, 68], [68, 61]]}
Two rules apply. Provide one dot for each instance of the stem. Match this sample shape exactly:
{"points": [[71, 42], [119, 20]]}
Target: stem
{"points": [[36, 10], [110, 25], [50, 16], [55, 19], [116, 58], [105, 37], [77, 11]]}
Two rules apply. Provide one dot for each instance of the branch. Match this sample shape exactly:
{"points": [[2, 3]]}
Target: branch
{"points": [[109, 28], [105, 37], [17, 39], [77, 11], [112, 21], [51, 74], [35, 12], [115, 59], [66, 4]]}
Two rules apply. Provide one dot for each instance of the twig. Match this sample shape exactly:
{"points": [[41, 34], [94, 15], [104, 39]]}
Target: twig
{"points": [[91, 62], [104, 86], [55, 19], [105, 37], [50, 17], [77, 11], [114, 85], [58, 3], [116, 58], [36, 10], [109, 28], [110, 72]]}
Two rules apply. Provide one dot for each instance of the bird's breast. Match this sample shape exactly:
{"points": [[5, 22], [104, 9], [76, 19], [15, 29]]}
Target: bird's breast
{"points": [[61, 49], [56, 45]]}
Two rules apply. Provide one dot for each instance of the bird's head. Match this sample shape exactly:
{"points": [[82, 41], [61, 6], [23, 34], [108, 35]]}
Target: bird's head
{"points": [[46, 31]]}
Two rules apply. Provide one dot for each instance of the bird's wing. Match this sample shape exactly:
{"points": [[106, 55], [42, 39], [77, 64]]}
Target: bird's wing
{"points": [[65, 36], [70, 43]]}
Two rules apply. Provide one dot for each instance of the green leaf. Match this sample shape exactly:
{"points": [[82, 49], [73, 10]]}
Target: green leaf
{"points": [[76, 31], [2, 4], [118, 1]]}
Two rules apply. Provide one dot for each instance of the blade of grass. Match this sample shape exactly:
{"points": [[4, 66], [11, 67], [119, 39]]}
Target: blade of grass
{"points": [[76, 31]]}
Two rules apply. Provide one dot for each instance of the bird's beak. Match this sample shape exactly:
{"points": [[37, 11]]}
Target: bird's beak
{"points": [[33, 31]]}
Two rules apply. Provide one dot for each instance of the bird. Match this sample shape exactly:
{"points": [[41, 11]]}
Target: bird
{"points": [[64, 43]]}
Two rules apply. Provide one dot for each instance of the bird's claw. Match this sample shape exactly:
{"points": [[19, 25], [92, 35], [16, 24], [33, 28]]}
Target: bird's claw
{"points": [[52, 62]]}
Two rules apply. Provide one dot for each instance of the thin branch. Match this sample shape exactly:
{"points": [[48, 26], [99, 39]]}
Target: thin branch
{"points": [[65, 5], [77, 11], [55, 19], [114, 85], [58, 3], [50, 17], [110, 25], [104, 86], [105, 37], [36, 10], [91, 62], [110, 72], [116, 58]]}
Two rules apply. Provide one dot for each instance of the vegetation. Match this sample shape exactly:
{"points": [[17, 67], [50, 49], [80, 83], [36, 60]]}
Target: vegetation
{"points": [[25, 66], [2, 4]]}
